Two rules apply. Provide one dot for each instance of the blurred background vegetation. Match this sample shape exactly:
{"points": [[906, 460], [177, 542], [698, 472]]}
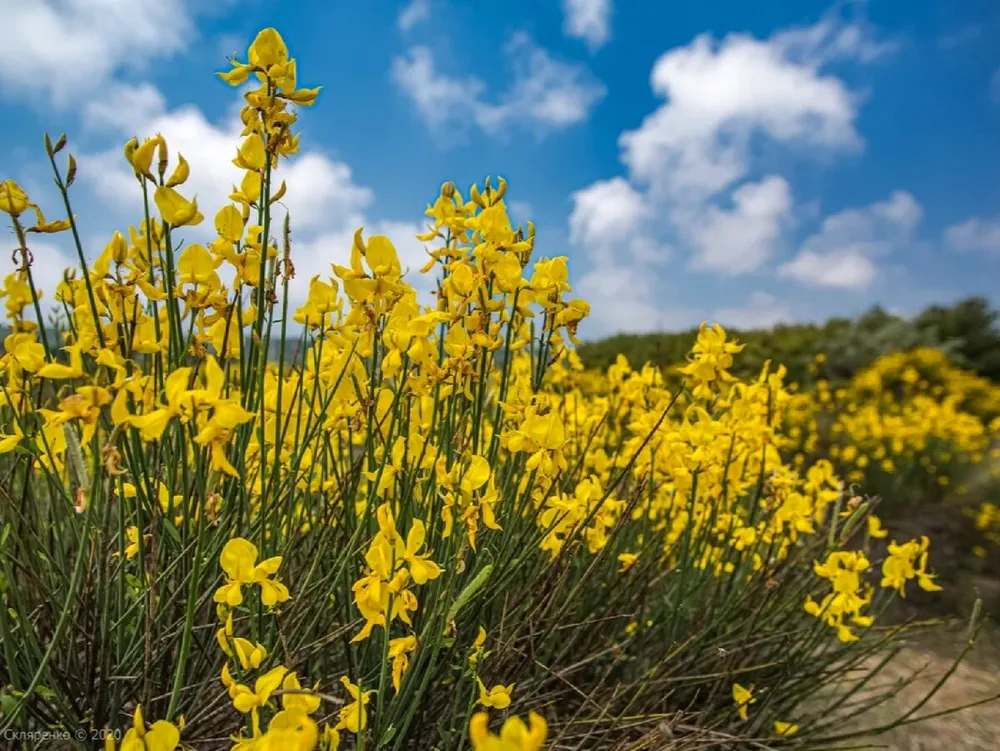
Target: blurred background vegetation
{"points": [[851, 375], [967, 331]]}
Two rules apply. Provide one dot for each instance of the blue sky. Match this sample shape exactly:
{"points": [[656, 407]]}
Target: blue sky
{"points": [[722, 160]]}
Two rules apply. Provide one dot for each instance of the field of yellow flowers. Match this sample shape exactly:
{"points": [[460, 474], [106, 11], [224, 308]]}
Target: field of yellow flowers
{"points": [[427, 527]]}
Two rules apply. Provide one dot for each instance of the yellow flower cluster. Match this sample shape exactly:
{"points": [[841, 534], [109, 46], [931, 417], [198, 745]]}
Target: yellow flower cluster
{"points": [[908, 412]]}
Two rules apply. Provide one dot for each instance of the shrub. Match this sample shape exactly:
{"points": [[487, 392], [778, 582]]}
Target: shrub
{"points": [[421, 520]]}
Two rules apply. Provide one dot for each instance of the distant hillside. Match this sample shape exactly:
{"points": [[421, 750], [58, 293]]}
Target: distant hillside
{"points": [[968, 331]]}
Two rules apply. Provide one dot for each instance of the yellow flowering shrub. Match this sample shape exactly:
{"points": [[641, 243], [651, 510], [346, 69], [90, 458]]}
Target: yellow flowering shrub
{"points": [[913, 429], [373, 520]]}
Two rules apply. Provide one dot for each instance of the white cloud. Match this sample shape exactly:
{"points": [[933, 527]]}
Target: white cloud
{"points": [[841, 254], [589, 20], [740, 240], [610, 221], [624, 298], [545, 93], [718, 95], [413, 13], [834, 38], [762, 310], [975, 234], [124, 107], [609, 217], [693, 182], [68, 49], [440, 99], [843, 269]]}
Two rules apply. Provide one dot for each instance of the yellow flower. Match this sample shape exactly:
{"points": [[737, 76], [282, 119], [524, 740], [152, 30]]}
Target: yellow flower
{"points": [[251, 154], [58, 372], [152, 424], [267, 49], [330, 739], [476, 654], [353, 715], [399, 650], [239, 561], [906, 562], [785, 728], [176, 210], [13, 200], [180, 174], [246, 700], [196, 266], [497, 697], [303, 703], [161, 735], [627, 560], [289, 731], [132, 535], [141, 157], [422, 568], [514, 735], [744, 698], [250, 655], [875, 528], [9, 442], [48, 228]]}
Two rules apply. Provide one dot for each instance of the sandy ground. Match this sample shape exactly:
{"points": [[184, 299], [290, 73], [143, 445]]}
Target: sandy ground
{"points": [[978, 677]]}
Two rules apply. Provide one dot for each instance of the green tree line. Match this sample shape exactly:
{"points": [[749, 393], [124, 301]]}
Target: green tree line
{"points": [[967, 330]]}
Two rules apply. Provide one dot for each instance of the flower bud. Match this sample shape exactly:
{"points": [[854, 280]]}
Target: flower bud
{"points": [[130, 148], [71, 171], [119, 247], [161, 167], [476, 197], [279, 194]]}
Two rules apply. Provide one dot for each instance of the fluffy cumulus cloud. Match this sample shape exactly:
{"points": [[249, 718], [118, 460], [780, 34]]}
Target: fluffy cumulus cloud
{"points": [[844, 252], [974, 235], [740, 239], [589, 20], [691, 181], [610, 217], [719, 95], [439, 99], [66, 49], [544, 94]]}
